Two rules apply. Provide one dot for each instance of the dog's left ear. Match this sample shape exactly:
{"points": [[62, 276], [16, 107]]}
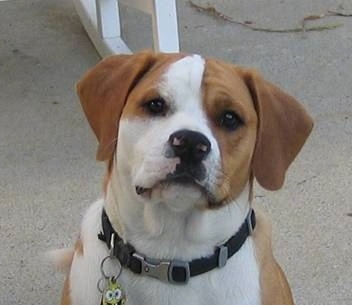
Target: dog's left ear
{"points": [[103, 91], [283, 127]]}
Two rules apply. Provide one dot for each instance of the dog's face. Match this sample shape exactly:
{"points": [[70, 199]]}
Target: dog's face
{"points": [[189, 131], [186, 137]]}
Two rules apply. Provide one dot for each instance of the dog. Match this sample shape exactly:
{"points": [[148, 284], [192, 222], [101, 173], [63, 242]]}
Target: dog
{"points": [[183, 138]]}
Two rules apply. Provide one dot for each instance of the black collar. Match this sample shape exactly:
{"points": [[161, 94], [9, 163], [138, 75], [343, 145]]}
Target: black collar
{"points": [[173, 271]]}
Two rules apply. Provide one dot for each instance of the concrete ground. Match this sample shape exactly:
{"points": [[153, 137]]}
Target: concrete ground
{"points": [[49, 175]]}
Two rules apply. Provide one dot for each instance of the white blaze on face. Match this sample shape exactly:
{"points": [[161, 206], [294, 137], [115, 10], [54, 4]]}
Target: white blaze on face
{"points": [[181, 85], [145, 140], [181, 88]]}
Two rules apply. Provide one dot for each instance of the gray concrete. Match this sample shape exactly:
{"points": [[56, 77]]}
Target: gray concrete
{"points": [[48, 174]]}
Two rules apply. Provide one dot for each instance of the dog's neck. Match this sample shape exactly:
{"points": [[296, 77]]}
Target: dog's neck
{"points": [[157, 231]]}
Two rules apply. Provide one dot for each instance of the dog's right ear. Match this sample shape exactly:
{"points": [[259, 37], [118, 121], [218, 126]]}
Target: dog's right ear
{"points": [[103, 92]]}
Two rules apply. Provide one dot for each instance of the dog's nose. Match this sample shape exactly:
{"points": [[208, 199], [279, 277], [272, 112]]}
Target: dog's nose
{"points": [[189, 146]]}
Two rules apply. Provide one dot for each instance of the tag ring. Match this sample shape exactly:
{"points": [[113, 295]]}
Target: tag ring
{"points": [[105, 274], [99, 284]]}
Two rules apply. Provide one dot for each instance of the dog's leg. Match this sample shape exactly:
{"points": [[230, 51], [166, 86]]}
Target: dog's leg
{"points": [[61, 259]]}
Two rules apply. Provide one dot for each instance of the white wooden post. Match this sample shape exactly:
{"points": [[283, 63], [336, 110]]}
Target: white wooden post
{"points": [[165, 31], [109, 19], [101, 20]]}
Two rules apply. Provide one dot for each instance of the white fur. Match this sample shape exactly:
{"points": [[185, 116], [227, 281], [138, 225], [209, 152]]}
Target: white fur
{"points": [[172, 223], [85, 270]]}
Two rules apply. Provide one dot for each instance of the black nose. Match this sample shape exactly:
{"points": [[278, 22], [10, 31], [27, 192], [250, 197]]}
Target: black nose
{"points": [[190, 146]]}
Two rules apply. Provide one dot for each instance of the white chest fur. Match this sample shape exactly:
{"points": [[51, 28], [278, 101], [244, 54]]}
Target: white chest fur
{"points": [[235, 284]]}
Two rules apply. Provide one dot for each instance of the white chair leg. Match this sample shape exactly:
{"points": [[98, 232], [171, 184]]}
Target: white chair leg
{"points": [[103, 31], [108, 18], [165, 29], [102, 22]]}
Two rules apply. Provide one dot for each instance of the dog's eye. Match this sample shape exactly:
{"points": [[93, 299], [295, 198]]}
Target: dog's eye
{"points": [[156, 106], [230, 120]]}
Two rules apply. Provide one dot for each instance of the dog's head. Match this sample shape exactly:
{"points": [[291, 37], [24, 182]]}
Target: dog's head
{"points": [[185, 131]]}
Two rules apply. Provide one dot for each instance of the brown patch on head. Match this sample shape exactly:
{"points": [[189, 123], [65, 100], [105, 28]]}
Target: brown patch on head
{"points": [[104, 90], [147, 88], [275, 127], [225, 90]]}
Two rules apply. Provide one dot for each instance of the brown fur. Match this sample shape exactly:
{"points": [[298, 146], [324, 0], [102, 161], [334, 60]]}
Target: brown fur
{"points": [[284, 126], [65, 296], [274, 130], [225, 90], [274, 286]]}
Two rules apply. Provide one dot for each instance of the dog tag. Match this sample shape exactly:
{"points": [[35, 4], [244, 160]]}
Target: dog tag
{"points": [[110, 289], [113, 293]]}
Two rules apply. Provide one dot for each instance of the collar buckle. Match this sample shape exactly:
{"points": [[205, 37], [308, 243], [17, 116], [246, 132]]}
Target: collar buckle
{"points": [[154, 268], [175, 271]]}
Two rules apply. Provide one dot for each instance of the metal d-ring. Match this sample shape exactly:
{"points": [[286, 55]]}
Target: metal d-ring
{"points": [[112, 244], [118, 269]]}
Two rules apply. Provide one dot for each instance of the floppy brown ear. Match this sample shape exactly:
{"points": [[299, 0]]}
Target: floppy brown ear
{"points": [[103, 91], [283, 127]]}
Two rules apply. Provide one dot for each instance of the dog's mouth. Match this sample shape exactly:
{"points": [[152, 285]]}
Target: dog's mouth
{"points": [[184, 180], [181, 179]]}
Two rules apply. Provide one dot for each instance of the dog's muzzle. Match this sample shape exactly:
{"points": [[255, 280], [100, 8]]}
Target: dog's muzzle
{"points": [[191, 148]]}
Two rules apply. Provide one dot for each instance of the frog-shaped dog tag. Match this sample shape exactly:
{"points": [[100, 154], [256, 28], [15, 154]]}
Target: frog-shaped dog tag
{"points": [[110, 289], [113, 293]]}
